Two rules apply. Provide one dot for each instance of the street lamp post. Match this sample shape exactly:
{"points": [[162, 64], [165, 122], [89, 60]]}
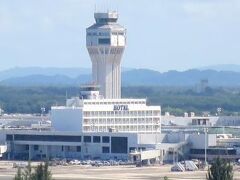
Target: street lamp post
{"points": [[205, 157]]}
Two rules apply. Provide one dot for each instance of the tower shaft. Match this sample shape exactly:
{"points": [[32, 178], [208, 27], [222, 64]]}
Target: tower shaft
{"points": [[105, 44]]}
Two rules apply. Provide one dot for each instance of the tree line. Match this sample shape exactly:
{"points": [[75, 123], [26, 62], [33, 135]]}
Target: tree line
{"points": [[175, 100]]}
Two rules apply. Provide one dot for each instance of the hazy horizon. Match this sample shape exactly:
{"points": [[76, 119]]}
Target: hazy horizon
{"points": [[175, 35]]}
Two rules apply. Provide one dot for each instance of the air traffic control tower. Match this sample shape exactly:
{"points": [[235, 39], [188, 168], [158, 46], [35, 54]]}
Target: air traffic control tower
{"points": [[106, 41]]}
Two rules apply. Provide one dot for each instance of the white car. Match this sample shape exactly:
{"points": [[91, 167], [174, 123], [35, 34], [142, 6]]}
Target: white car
{"points": [[75, 162]]}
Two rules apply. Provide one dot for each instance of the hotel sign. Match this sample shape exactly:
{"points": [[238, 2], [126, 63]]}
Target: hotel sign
{"points": [[120, 108]]}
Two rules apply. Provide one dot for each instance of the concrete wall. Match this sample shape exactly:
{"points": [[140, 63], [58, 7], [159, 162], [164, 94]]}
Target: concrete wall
{"points": [[175, 137], [149, 138], [197, 141], [150, 154], [67, 119], [228, 121]]}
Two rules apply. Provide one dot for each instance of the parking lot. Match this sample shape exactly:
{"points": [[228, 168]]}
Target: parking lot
{"points": [[123, 173], [88, 172]]}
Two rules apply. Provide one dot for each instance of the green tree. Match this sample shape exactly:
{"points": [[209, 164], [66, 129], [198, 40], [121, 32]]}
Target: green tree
{"points": [[18, 176], [41, 172], [221, 169], [165, 178], [47, 173], [27, 175]]}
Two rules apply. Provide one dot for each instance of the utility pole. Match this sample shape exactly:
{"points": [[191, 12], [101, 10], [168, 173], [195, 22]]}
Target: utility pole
{"points": [[205, 157]]}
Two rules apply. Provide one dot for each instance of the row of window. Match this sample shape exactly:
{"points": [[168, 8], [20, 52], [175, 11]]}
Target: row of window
{"points": [[118, 144], [98, 34], [121, 128], [122, 113], [105, 149], [116, 51], [105, 20], [97, 139], [104, 51], [104, 33], [117, 33], [214, 151], [58, 138], [114, 103], [104, 41], [121, 121], [132, 149]]}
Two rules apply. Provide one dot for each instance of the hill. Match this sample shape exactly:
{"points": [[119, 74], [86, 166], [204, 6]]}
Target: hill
{"points": [[218, 75], [48, 71], [222, 67], [176, 78], [134, 77]]}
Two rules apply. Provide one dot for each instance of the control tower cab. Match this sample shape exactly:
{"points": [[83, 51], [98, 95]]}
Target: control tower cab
{"points": [[105, 41]]}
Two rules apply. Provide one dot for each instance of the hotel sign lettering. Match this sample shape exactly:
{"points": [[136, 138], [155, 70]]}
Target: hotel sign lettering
{"points": [[120, 108]]}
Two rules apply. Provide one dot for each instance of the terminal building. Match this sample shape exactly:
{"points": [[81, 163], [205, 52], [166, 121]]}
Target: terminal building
{"points": [[41, 145]]}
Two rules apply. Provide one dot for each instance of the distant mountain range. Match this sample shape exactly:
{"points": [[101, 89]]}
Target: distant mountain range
{"points": [[222, 67], [49, 71], [130, 77], [176, 78]]}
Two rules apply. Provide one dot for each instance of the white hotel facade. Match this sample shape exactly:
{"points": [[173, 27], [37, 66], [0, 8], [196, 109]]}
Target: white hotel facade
{"points": [[107, 115]]}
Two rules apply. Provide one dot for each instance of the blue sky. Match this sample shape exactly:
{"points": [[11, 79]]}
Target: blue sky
{"points": [[162, 34]]}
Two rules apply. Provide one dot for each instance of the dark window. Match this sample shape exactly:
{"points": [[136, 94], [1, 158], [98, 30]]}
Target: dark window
{"points": [[78, 148], [105, 20], [27, 147], [35, 147], [214, 151], [87, 138], [105, 149], [105, 139], [62, 148], [119, 145], [59, 138], [96, 139], [9, 137], [142, 149], [104, 41]]}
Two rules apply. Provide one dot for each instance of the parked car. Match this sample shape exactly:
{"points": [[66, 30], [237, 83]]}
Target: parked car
{"points": [[98, 163], [75, 162], [106, 163]]}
